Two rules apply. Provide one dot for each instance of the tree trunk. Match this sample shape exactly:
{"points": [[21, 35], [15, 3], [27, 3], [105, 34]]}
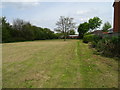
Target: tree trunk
{"points": [[65, 35], [65, 38]]}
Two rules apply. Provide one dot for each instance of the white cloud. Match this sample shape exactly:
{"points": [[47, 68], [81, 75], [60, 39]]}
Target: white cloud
{"points": [[82, 12], [85, 12]]}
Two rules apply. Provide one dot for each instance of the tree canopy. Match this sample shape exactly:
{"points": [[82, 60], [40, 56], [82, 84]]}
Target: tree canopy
{"points": [[94, 23], [106, 26], [83, 28], [91, 25], [64, 25], [72, 32], [21, 30]]}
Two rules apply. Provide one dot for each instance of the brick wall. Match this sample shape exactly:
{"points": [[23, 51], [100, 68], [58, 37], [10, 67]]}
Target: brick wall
{"points": [[116, 16]]}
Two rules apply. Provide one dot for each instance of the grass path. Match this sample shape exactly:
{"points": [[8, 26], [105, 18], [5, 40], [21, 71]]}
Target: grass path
{"points": [[97, 71], [56, 64]]}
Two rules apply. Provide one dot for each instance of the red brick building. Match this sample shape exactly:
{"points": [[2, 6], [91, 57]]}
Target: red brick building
{"points": [[116, 6]]}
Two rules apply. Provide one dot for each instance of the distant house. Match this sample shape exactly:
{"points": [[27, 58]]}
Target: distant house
{"points": [[97, 32], [105, 33], [73, 36], [115, 31], [101, 33], [116, 6]]}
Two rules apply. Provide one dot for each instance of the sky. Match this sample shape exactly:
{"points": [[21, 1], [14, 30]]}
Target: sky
{"points": [[46, 14]]}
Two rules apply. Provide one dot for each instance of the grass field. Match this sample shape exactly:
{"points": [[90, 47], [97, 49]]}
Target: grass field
{"points": [[56, 64]]}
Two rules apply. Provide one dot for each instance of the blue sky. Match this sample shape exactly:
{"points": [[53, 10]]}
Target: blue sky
{"points": [[45, 14]]}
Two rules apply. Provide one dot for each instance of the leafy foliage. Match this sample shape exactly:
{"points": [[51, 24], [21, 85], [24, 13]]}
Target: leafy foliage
{"points": [[6, 28], [88, 38], [106, 26], [83, 28], [109, 46], [91, 38], [71, 32], [24, 31], [94, 23]]}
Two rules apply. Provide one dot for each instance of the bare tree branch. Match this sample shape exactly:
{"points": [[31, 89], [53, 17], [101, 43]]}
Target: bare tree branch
{"points": [[64, 25]]}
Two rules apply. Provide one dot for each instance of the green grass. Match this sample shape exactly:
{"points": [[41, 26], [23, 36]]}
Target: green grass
{"points": [[56, 64]]}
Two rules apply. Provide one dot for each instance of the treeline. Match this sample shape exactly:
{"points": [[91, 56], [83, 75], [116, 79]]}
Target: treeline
{"points": [[21, 30]]}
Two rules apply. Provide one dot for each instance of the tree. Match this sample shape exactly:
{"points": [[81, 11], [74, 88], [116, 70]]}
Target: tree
{"points": [[64, 25], [72, 32], [95, 23], [21, 30], [1, 21], [48, 33], [0, 29], [5, 30], [28, 32], [18, 24], [106, 26], [83, 28], [38, 32]]}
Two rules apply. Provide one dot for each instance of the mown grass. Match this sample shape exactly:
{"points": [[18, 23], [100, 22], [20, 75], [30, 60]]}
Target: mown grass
{"points": [[56, 64], [97, 71]]}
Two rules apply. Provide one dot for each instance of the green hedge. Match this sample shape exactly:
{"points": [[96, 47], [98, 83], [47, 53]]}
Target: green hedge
{"points": [[91, 38], [88, 38]]}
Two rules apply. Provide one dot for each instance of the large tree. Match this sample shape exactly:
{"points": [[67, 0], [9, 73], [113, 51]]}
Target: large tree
{"points": [[94, 23], [83, 28], [106, 26], [19, 23], [64, 25], [27, 32]]}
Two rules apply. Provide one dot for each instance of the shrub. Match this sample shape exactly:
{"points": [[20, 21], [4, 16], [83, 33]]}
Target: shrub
{"points": [[91, 38], [109, 46], [95, 41], [88, 38]]}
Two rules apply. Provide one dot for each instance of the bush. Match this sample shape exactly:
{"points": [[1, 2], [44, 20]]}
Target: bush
{"points": [[91, 38], [109, 46], [88, 38], [95, 41]]}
